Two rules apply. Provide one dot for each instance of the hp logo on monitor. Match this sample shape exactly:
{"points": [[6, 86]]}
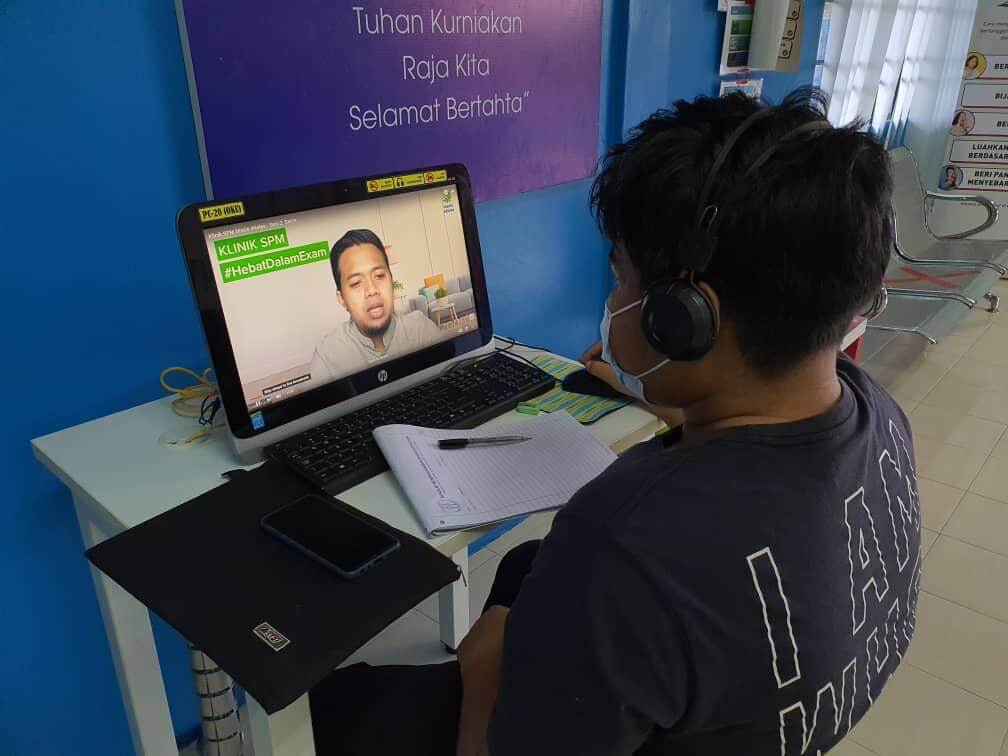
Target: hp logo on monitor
{"points": [[382, 376]]}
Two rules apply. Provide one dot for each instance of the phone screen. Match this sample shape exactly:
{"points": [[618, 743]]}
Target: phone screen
{"points": [[345, 541]]}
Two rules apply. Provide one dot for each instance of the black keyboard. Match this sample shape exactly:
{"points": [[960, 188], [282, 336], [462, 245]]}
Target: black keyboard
{"points": [[342, 453]]}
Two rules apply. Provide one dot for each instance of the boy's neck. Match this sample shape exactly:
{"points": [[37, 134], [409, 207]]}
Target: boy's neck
{"points": [[810, 390]]}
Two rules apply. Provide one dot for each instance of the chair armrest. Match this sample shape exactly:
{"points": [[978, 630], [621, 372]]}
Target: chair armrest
{"points": [[992, 212]]}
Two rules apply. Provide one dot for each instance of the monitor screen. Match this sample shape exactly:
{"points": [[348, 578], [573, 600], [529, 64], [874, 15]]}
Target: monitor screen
{"points": [[314, 296]]}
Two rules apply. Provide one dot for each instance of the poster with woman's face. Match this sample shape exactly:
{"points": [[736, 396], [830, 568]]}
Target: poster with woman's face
{"points": [[974, 66], [963, 123]]}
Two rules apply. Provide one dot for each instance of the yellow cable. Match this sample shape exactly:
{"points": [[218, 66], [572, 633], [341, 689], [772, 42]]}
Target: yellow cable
{"points": [[189, 399]]}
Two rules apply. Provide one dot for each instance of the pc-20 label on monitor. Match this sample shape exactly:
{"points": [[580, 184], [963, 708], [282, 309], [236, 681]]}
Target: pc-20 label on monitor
{"points": [[220, 212], [270, 636]]}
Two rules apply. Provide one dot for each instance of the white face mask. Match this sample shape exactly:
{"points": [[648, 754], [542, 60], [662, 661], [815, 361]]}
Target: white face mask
{"points": [[630, 382]]}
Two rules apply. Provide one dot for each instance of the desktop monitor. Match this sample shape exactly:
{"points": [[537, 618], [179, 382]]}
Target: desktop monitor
{"points": [[318, 300]]}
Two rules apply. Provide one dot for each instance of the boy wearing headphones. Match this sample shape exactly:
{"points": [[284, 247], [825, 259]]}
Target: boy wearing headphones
{"points": [[747, 582]]}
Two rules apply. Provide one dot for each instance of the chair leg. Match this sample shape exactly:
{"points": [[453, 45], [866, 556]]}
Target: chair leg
{"points": [[993, 300], [933, 294], [897, 329]]}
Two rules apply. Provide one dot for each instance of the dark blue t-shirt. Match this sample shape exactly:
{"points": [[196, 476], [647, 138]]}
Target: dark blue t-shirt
{"points": [[750, 594]]}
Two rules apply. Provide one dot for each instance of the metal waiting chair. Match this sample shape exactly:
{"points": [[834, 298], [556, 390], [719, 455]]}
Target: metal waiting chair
{"points": [[933, 281], [917, 243]]}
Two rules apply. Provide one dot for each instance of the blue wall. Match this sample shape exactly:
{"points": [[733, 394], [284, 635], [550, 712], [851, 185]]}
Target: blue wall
{"points": [[98, 153]]}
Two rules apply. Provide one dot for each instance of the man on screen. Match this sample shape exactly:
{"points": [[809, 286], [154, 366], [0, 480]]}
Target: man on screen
{"points": [[374, 331]]}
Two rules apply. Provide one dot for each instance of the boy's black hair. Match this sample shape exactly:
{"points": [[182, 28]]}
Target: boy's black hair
{"points": [[353, 238], [802, 242]]}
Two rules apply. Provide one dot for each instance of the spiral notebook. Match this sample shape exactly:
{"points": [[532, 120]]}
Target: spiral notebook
{"points": [[455, 489]]}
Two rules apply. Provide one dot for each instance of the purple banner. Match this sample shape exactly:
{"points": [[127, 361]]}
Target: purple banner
{"points": [[303, 91]]}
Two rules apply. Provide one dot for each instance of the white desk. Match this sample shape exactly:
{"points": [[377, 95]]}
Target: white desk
{"points": [[119, 476]]}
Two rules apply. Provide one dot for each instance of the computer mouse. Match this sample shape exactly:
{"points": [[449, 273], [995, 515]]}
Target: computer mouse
{"points": [[583, 382]]}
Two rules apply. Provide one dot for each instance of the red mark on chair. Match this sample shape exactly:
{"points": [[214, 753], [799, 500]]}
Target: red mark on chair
{"points": [[916, 276]]}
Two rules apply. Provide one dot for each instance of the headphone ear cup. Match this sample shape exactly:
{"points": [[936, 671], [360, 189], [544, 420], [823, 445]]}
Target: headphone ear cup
{"points": [[679, 320]]}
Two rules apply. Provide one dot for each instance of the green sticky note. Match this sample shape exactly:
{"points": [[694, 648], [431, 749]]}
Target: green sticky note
{"points": [[527, 409]]}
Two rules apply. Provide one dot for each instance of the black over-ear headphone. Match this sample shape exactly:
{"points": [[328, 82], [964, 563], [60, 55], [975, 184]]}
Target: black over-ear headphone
{"points": [[679, 320]]}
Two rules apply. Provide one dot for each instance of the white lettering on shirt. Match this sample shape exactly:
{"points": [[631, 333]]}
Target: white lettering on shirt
{"points": [[766, 579], [867, 572]]}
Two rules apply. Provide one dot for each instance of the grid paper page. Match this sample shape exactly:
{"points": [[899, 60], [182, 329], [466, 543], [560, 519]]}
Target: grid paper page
{"points": [[452, 489]]}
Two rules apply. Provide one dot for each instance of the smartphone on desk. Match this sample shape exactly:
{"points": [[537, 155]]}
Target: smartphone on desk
{"points": [[346, 544]]}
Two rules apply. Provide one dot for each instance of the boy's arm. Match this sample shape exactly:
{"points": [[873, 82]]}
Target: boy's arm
{"points": [[591, 659], [479, 657]]}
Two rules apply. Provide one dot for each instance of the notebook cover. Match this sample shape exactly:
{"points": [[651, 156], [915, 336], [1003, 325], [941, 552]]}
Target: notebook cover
{"points": [[210, 571]]}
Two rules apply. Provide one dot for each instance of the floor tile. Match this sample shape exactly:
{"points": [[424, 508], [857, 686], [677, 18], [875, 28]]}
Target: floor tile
{"points": [[411, 639], [937, 500], [980, 374], [907, 405], [954, 346], [535, 526], [1000, 450], [480, 580], [980, 521], [968, 575], [955, 428], [848, 747], [954, 394], [481, 557], [962, 647], [927, 541], [429, 606], [920, 715], [973, 326], [952, 465], [911, 383], [992, 481], [992, 347]]}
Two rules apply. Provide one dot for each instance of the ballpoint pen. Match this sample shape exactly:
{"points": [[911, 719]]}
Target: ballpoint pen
{"points": [[462, 443]]}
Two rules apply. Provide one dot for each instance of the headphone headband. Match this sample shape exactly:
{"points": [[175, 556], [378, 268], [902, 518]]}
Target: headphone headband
{"points": [[722, 156], [812, 127], [699, 242]]}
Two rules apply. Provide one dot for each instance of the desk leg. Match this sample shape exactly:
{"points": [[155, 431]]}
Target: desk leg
{"points": [[453, 604], [286, 733], [131, 640]]}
